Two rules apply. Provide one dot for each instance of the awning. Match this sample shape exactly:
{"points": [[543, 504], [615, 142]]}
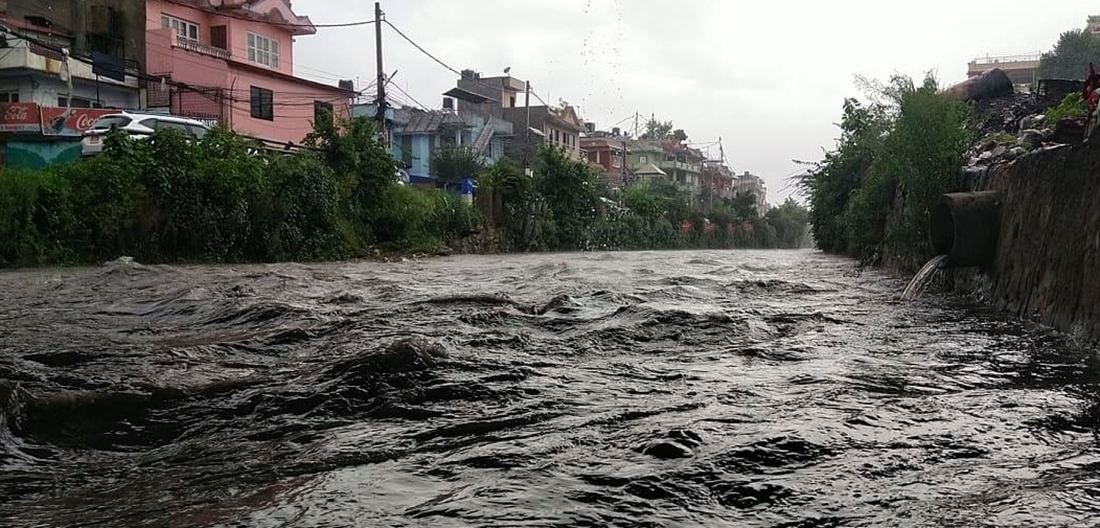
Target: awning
{"points": [[468, 96]]}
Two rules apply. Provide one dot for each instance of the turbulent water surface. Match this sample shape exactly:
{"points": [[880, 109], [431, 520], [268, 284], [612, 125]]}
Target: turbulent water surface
{"points": [[770, 389]]}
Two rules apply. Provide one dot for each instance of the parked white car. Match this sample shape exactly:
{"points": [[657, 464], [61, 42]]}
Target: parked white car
{"points": [[138, 126]]}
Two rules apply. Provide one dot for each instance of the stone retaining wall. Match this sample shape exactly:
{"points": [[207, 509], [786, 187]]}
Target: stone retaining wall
{"points": [[1047, 266]]}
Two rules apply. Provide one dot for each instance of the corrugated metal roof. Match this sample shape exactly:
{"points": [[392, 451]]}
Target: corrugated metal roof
{"points": [[421, 122]]}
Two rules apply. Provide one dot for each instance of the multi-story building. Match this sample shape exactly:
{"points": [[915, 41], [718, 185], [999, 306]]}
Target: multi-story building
{"points": [[63, 64], [505, 98], [680, 163], [540, 125], [74, 55], [235, 61], [607, 153], [716, 181], [414, 135], [229, 61], [754, 185]]}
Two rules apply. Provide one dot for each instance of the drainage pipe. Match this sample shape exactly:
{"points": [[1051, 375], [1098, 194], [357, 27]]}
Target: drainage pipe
{"points": [[965, 227]]}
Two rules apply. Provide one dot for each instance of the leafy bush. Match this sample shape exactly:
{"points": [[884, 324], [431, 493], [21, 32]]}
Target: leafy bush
{"points": [[872, 195], [170, 199]]}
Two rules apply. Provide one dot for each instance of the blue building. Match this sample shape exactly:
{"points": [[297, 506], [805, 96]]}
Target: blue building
{"points": [[414, 134]]}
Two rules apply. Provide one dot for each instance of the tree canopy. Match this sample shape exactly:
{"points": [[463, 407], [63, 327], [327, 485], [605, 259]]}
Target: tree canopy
{"points": [[1071, 56]]}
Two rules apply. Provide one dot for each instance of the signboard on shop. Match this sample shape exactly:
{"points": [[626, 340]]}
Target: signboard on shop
{"points": [[70, 122], [19, 117]]}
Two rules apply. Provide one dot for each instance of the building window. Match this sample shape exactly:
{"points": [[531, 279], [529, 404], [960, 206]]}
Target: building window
{"points": [[322, 112], [9, 97], [643, 159], [263, 103], [513, 100], [263, 50], [182, 28], [616, 160], [77, 102]]}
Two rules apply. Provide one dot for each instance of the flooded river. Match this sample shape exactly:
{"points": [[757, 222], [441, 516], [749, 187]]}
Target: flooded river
{"points": [[740, 389]]}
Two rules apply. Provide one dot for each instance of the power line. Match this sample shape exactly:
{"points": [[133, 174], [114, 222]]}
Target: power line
{"points": [[445, 65], [413, 99], [422, 50]]}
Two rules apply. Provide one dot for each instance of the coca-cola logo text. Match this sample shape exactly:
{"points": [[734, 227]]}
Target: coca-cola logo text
{"points": [[15, 113], [84, 121]]}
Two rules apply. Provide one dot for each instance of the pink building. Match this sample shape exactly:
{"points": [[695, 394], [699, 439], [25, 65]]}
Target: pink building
{"points": [[235, 59]]}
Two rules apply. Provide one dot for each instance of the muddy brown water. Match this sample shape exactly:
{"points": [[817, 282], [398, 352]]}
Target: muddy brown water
{"points": [[748, 389]]}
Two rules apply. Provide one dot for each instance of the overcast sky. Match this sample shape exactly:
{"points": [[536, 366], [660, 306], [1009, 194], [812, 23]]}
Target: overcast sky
{"points": [[768, 78]]}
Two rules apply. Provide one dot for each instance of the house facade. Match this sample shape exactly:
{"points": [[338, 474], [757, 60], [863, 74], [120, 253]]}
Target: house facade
{"points": [[680, 164], [414, 135], [60, 70], [607, 153], [717, 182], [754, 185], [559, 127], [236, 61]]}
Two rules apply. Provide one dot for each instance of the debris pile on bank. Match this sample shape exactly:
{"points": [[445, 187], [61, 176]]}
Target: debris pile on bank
{"points": [[1012, 125]]}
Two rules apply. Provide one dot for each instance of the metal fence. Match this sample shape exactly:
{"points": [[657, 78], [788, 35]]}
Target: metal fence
{"points": [[197, 102]]}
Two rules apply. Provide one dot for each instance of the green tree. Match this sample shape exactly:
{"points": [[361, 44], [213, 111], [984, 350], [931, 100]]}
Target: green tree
{"points": [[743, 206], [790, 222], [872, 194], [451, 165], [1071, 56], [657, 130], [679, 135], [830, 183], [569, 189]]}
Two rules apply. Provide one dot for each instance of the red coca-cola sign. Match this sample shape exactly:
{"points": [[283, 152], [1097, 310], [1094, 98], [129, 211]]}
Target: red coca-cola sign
{"points": [[72, 121], [19, 117]]}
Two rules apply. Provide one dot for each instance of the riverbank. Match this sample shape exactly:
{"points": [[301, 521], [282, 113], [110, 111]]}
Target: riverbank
{"points": [[1047, 259], [172, 200]]}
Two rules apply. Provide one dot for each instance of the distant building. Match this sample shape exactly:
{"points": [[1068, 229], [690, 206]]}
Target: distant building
{"points": [[504, 98], [548, 125], [754, 185], [1022, 70], [681, 164], [608, 153], [717, 182], [414, 135]]}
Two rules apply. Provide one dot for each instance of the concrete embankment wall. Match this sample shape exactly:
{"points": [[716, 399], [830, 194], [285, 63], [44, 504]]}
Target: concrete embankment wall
{"points": [[1047, 265]]}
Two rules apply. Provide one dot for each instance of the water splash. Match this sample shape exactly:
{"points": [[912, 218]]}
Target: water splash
{"points": [[923, 278]]}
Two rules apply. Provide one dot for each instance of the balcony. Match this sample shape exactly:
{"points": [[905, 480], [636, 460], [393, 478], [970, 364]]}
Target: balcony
{"points": [[666, 166], [190, 44], [24, 55]]}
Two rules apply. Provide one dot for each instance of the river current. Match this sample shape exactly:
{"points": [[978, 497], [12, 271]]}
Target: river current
{"points": [[650, 389]]}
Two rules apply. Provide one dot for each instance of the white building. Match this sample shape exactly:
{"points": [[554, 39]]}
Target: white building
{"points": [[754, 185]]}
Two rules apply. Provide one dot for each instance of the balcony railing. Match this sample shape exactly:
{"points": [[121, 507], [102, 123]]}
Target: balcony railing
{"points": [[1007, 59], [677, 165], [191, 44]]}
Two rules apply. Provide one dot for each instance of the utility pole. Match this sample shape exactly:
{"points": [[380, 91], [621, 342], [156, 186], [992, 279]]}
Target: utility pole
{"points": [[381, 102], [527, 130], [635, 124]]}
